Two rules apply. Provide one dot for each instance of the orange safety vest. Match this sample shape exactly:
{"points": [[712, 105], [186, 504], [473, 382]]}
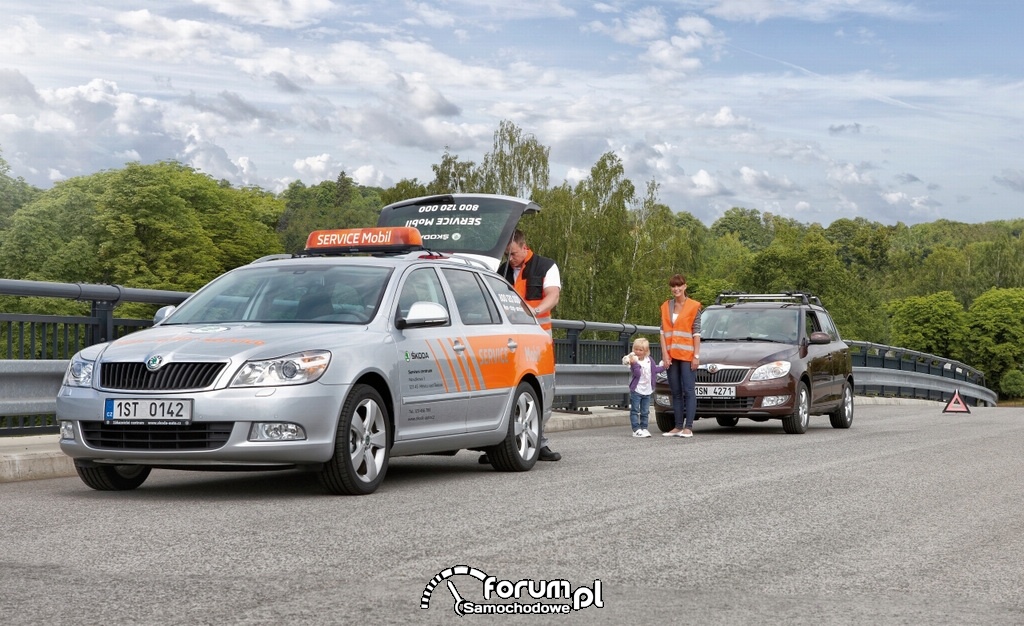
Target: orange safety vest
{"points": [[679, 336], [520, 285]]}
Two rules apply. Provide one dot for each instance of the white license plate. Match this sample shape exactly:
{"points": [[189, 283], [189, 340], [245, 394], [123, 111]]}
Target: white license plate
{"points": [[708, 391], [149, 412]]}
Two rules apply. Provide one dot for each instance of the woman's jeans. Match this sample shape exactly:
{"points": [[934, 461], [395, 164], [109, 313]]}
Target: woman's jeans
{"points": [[639, 407], [682, 380]]}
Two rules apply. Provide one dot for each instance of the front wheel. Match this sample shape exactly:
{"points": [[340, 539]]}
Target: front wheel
{"points": [[796, 422], [113, 477], [842, 417], [666, 421], [727, 422], [361, 448], [521, 446]]}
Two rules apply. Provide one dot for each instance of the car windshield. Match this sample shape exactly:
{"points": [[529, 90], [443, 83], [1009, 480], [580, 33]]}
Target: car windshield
{"points": [[731, 324], [345, 294]]}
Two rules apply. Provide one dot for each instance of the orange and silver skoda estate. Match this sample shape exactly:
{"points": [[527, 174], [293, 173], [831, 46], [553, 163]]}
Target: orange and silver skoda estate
{"points": [[367, 346]]}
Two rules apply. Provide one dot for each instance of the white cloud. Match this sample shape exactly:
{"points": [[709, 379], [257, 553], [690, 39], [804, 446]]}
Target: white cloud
{"points": [[318, 167], [286, 14], [724, 118], [703, 185], [429, 15], [814, 10], [762, 181]]}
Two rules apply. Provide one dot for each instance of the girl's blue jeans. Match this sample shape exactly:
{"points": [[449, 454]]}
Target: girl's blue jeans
{"points": [[639, 408]]}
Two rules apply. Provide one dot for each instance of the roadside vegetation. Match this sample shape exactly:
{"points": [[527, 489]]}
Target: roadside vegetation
{"points": [[946, 288]]}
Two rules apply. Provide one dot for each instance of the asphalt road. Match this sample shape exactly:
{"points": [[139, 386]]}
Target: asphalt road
{"points": [[913, 516]]}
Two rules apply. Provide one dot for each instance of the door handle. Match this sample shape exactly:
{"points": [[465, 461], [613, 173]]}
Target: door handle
{"points": [[458, 346], [512, 345]]}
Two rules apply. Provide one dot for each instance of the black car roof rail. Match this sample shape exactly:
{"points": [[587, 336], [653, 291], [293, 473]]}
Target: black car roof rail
{"points": [[788, 296]]}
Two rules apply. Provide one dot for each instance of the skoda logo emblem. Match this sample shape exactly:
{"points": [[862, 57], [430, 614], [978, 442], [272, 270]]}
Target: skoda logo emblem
{"points": [[154, 362], [712, 368]]}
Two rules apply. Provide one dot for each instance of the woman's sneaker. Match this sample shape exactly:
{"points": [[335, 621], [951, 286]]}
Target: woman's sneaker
{"points": [[644, 433], [638, 433]]}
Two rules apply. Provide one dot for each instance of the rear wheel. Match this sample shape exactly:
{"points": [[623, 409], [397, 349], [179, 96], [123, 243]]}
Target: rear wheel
{"points": [[727, 422], [842, 417], [521, 446], [361, 448], [113, 477], [796, 422]]}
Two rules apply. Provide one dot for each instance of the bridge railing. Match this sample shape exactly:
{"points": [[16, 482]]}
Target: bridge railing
{"points": [[34, 351]]}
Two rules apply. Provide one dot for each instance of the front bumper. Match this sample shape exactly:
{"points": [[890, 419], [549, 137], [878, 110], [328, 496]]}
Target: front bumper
{"points": [[771, 399], [219, 432]]}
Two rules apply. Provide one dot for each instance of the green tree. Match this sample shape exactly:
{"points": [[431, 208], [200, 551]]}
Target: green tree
{"points": [[747, 225], [329, 204], [996, 327], [404, 189], [1012, 384], [935, 323], [517, 165], [14, 193]]}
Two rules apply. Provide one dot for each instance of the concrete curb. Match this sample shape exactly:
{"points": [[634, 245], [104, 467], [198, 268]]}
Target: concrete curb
{"points": [[33, 458]]}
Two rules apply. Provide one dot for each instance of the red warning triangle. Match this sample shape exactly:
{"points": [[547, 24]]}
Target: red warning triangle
{"points": [[956, 404]]}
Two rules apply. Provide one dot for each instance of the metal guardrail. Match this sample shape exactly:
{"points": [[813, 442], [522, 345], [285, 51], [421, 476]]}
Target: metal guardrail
{"points": [[587, 371]]}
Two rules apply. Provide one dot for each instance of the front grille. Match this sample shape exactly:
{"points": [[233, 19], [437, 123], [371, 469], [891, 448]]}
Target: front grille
{"points": [[724, 376], [170, 377], [195, 436], [719, 404]]}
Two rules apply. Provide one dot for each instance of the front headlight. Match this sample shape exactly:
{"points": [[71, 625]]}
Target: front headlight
{"points": [[293, 369], [79, 372], [771, 371]]}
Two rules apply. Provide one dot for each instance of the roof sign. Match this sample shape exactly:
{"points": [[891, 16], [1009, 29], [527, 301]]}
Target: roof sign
{"points": [[352, 240]]}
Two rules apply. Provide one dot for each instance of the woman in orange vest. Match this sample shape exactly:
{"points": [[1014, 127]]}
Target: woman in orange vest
{"points": [[680, 350]]}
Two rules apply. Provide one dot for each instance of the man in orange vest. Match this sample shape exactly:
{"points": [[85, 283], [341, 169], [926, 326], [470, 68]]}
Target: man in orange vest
{"points": [[538, 281]]}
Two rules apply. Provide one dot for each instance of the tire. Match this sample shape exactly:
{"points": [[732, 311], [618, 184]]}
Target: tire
{"points": [[796, 423], [519, 451], [113, 477], [666, 421], [361, 445], [727, 422], [842, 417]]}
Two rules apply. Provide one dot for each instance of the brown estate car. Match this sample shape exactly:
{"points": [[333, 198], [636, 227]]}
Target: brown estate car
{"points": [[768, 356]]}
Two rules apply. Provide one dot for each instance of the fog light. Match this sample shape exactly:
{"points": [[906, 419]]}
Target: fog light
{"points": [[662, 400], [768, 401], [67, 430], [276, 431]]}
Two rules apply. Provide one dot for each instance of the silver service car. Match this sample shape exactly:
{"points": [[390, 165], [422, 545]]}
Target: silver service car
{"points": [[371, 344]]}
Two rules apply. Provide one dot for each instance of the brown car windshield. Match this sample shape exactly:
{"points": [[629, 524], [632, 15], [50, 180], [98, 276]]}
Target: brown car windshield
{"points": [[730, 324]]}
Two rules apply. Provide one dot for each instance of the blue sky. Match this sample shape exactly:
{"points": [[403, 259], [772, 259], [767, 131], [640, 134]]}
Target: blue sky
{"points": [[890, 110]]}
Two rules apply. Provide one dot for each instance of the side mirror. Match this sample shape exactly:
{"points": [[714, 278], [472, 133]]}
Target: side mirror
{"points": [[162, 313], [820, 338], [423, 314]]}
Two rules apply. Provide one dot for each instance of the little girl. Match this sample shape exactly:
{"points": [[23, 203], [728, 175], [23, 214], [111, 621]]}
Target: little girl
{"points": [[641, 386]]}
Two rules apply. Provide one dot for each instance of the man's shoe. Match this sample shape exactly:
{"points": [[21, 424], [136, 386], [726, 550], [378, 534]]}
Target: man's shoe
{"points": [[546, 454], [484, 460]]}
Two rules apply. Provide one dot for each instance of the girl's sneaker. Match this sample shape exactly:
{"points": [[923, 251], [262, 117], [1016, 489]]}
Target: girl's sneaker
{"points": [[644, 433], [638, 433]]}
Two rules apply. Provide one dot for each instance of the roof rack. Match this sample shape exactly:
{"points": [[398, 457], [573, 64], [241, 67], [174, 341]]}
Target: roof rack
{"points": [[787, 296]]}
